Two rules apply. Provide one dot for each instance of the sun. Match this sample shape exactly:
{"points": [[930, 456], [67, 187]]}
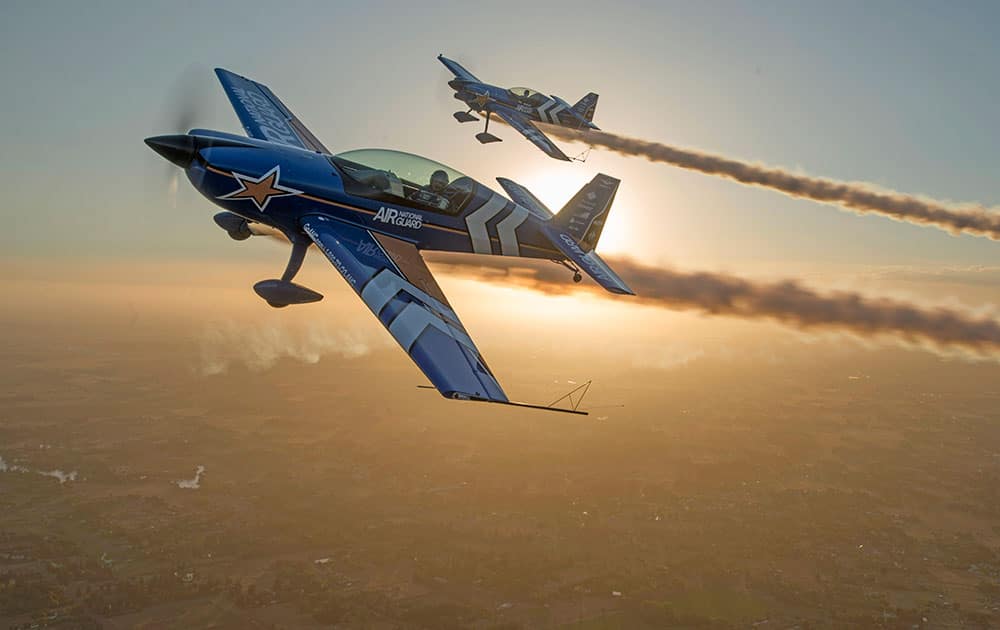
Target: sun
{"points": [[555, 187]]}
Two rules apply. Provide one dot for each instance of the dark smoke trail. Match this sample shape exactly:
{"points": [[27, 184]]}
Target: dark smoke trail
{"points": [[859, 197], [785, 301]]}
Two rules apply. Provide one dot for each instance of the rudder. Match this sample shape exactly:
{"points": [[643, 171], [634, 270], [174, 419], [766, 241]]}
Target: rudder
{"points": [[586, 106], [584, 216]]}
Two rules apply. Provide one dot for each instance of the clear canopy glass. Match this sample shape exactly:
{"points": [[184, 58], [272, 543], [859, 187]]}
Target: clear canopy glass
{"points": [[529, 96], [387, 173], [404, 165], [523, 92]]}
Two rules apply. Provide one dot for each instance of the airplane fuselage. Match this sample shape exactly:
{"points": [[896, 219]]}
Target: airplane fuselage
{"points": [[536, 107], [278, 185]]}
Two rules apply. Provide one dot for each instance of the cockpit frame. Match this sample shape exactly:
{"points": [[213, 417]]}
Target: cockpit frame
{"points": [[396, 176]]}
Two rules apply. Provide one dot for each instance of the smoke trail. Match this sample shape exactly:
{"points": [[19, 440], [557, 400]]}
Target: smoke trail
{"points": [[259, 345], [859, 197], [785, 301]]}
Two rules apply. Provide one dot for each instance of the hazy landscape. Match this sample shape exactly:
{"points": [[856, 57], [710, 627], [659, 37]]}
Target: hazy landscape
{"points": [[226, 465]]}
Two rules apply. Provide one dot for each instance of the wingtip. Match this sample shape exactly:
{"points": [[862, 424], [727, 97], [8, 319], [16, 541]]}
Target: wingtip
{"points": [[620, 289]]}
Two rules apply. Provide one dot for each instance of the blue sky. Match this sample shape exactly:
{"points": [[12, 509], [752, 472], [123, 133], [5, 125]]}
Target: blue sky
{"points": [[900, 94]]}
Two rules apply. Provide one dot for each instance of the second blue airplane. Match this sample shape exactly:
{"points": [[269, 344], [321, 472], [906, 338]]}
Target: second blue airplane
{"points": [[518, 107]]}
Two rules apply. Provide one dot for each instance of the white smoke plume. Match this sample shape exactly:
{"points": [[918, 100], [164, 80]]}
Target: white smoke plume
{"points": [[258, 346], [786, 301], [858, 197]]}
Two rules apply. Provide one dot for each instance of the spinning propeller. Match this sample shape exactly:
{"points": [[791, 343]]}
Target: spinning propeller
{"points": [[188, 104]]}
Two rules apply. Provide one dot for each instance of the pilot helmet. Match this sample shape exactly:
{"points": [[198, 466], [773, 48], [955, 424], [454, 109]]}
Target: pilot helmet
{"points": [[439, 180]]}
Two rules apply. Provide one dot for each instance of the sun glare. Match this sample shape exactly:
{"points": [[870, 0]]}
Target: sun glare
{"points": [[556, 186]]}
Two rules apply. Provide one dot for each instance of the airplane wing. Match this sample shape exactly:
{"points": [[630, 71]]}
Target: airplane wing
{"points": [[528, 130], [391, 277], [263, 114], [457, 69]]}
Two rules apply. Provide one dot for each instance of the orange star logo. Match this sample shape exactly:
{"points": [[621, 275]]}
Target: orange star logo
{"points": [[482, 99], [260, 189]]}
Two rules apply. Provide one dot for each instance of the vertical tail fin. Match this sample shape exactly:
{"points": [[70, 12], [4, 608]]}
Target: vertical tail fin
{"points": [[575, 230], [584, 216], [586, 106]]}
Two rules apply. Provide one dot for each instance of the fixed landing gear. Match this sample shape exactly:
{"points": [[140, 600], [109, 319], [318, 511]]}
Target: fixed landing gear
{"points": [[485, 136], [464, 117], [281, 293], [577, 276]]}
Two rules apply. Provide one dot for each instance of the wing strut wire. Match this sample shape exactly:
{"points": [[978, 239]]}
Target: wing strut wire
{"points": [[583, 155], [574, 403]]}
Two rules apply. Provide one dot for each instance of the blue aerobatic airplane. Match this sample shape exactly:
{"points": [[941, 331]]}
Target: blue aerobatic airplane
{"points": [[371, 212], [518, 107]]}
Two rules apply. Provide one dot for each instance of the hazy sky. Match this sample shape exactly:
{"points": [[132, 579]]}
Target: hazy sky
{"points": [[900, 94]]}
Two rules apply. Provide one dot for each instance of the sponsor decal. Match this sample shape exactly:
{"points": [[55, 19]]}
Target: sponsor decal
{"points": [[341, 267], [369, 249], [399, 218], [267, 117], [593, 266]]}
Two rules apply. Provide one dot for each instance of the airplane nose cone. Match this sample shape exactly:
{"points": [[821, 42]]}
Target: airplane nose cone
{"points": [[179, 149]]}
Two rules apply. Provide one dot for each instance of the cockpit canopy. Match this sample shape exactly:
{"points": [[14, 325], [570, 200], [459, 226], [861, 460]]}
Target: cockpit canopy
{"points": [[389, 175], [527, 95]]}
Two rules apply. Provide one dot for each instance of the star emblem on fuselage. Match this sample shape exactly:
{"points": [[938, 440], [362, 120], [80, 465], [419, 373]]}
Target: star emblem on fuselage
{"points": [[261, 189], [482, 99]]}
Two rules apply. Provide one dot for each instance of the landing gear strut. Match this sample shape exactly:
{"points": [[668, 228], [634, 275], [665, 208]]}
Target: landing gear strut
{"points": [[281, 293], [486, 137], [577, 277]]}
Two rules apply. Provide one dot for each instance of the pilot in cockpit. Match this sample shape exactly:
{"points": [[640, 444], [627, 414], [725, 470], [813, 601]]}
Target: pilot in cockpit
{"points": [[433, 193], [438, 182]]}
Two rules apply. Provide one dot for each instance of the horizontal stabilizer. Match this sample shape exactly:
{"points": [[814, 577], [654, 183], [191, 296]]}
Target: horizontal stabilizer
{"points": [[523, 197], [577, 227], [589, 262]]}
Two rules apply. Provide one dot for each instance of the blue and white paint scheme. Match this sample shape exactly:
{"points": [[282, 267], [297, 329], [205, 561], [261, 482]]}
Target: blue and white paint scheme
{"points": [[371, 212], [519, 107]]}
